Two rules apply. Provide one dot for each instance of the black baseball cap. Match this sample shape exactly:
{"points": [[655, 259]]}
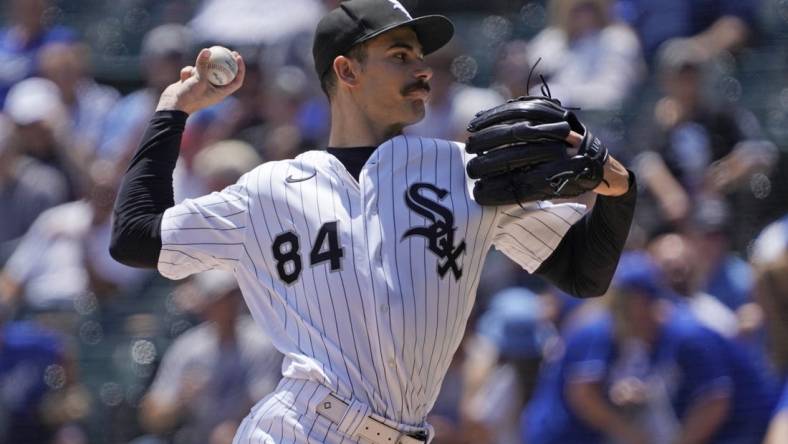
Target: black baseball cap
{"points": [[356, 21]]}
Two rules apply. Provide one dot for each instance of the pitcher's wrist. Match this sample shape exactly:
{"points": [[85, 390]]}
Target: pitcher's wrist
{"points": [[168, 102]]}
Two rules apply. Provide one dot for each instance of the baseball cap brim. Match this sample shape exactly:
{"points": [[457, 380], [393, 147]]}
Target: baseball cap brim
{"points": [[433, 31]]}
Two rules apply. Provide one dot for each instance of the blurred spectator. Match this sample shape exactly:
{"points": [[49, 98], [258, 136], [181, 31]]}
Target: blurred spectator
{"points": [[770, 260], [219, 165], [461, 6], [510, 74], [568, 313], [254, 22], [722, 273], [503, 363], [41, 130], [247, 114], [213, 373], [446, 416], [681, 264], [590, 61], [771, 243], [452, 104], [38, 391], [165, 50], [437, 121], [64, 253], [281, 137], [275, 114], [87, 103], [772, 295], [27, 31], [647, 374], [215, 167], [467, 101], [712, 26], [27, 188], [696, 147]]}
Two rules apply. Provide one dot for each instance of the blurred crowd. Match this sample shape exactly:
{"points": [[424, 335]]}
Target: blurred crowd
{"points": [[690, 345]]}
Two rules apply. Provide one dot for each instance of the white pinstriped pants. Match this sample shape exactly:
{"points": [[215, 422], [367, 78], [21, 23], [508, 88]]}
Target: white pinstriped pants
{"points": [[288, 416]]}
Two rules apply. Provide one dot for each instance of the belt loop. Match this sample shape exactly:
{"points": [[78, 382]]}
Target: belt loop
{"points": [[355, 414], [430, 433]]}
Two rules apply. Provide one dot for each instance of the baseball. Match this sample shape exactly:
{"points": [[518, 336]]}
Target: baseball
{"points": [[222, 67]]}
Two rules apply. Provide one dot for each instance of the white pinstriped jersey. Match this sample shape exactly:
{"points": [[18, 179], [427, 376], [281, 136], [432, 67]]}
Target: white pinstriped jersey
{"points": [[365, 286]]}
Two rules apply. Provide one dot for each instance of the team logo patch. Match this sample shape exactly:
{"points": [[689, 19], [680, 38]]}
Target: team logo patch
{"points": [[398, 5], [440, 234]]}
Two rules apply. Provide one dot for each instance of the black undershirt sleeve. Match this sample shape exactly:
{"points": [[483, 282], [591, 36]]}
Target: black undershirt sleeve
{"points": [[146, 191], [585, 260]]}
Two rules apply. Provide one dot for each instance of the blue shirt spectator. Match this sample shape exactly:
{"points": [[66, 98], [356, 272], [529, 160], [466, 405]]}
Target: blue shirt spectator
{"points": [[657, 21], [21, 40], [27, 188], [85, 101], [731, 282], [782, 405], [778, 427], [124, 124], [687, 358], [30, 366]]}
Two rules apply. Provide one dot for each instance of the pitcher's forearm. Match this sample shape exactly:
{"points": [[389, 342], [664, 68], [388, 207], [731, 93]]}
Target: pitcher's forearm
{"points": [[146, 191]]}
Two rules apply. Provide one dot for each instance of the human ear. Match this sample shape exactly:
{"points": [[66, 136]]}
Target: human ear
{"points": [[346, 70]]}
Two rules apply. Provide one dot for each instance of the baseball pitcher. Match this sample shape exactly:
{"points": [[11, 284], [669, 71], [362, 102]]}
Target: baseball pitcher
{"points": [[361, 259]]}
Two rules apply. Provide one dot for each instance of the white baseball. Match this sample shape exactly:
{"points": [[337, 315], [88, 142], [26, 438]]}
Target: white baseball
{"points": [[222, 67]]}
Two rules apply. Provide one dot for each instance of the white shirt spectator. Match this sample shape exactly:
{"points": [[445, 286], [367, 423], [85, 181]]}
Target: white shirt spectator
{"points": [[594, 72], [94, 102], [450, 122], [244, 22], [231, 379], [713, 314], [49, 262]]}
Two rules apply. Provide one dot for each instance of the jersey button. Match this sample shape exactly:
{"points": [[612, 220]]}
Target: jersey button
{"points": [[392, 363], [384, 308]]}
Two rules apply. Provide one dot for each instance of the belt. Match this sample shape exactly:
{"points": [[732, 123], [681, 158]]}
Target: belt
{"points": [[369, 428]]}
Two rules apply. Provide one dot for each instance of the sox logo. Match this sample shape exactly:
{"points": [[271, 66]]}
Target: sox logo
{"points": [[398, 5], [440, 233]]}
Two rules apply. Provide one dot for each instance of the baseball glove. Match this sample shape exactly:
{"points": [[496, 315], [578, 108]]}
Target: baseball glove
{"points": [[523, 155]]}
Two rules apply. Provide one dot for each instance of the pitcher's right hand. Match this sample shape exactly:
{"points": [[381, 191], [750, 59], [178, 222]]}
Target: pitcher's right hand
{"points": [[194, 92]]}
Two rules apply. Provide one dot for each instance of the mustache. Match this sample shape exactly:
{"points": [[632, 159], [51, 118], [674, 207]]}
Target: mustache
{"points": [[415, 86]]}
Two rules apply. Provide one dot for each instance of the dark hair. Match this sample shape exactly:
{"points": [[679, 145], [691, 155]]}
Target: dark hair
{"points": [[328, 83]]}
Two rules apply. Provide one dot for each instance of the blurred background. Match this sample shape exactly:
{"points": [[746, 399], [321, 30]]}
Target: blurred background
{"points": [[689, 345]]}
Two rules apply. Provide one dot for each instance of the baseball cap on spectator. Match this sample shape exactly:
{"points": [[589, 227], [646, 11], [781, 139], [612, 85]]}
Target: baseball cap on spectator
{"points": [[771, 243], [710, 215], [34, 100], [638, 273], [170, 39], [514, 324], [356, 21], [466, 103], [205, 288], [290, 81], [678, 54], [226, 159]]}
